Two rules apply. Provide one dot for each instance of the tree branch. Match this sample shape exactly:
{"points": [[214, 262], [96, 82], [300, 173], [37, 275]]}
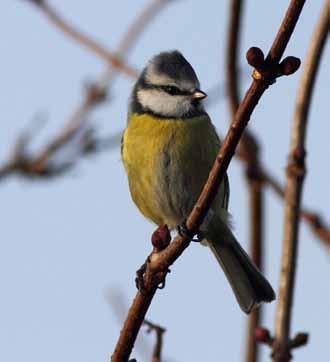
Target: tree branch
{"points": [[256, 239], [312, 218], [83, 39], [159, 331], [39, 165], [317, 225], [282, 344], [159, 261], [249, 153], [249, 148], [232, 68]]}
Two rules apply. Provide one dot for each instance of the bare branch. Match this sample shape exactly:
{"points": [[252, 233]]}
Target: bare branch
{"points": [[159, 331], [139, 25], [249, 153], [39, 165], [81, 38], [256, 201], [312, 218], [232, 73], [317, 225], [283, 344], [249, 148], [159, 261], [134, 31]]}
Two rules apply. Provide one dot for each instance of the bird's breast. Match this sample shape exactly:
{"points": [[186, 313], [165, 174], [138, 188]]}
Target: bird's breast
{"points": [[167, 162]]}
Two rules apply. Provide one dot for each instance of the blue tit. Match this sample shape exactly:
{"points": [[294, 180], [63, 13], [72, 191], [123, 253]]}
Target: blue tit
{"points": [[168, 150]]}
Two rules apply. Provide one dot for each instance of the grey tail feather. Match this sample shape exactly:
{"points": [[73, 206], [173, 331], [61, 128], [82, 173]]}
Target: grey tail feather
{"points": [[249, 285]]}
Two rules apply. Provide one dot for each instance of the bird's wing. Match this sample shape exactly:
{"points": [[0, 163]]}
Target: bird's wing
{"points": [[226, 188], [226, 192]]}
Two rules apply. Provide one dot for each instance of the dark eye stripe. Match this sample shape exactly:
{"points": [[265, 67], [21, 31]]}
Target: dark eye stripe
{"points": [[173, 90], [170, 89]]}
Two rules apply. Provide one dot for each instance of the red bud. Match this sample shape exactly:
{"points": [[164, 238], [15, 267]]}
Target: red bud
{"points": [[161, 237], [262, 335], [289, 65], [255, 57]]}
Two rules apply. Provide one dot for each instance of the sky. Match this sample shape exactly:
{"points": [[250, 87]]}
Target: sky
{"points": [[70, 246]]}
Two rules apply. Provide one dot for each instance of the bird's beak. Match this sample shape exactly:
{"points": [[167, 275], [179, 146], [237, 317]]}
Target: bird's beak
{"points": [[198, 94]]}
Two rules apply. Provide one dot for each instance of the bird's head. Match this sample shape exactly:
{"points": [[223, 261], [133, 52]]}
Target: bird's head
{"points": [[169, 87]]}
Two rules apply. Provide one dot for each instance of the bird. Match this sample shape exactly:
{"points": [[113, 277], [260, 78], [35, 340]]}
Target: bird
{"points": [[168, 149]]}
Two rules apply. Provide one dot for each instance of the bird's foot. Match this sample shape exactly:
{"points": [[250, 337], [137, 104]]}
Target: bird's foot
{"points": [[162, 284], [185, 232], [139, 279]]}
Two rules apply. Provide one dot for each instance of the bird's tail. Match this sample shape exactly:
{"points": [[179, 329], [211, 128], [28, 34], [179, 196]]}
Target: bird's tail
{"points": [[249, 285]]}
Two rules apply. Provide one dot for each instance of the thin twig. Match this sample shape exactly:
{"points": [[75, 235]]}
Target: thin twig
{"points": [[81, 38], [317, 225], [135, 30], [159, 331], [249, 148], [249, 153], [311, 218], [256, 234], [232, 73], [137, 27], [159, 262], [38, 165], [295, 176]]}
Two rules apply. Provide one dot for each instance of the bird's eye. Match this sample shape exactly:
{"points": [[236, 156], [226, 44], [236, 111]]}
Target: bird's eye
{"points": [[172, 90]]}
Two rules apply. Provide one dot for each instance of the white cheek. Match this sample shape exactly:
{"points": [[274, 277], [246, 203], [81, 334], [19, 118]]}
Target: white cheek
{"points": [[164, 104]]}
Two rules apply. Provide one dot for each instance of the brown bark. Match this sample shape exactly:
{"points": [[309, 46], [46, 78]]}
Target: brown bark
{"points": [[282, 344]]}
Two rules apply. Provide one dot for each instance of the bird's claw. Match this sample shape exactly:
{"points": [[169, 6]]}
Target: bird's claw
{"points": [[185, 232], [139, 279], [162, 284]]}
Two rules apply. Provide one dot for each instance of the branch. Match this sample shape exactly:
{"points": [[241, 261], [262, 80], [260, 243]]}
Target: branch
{"points": [[249, 148], [83, 39], [256, 193], [317, 225], [282, 344], [43, 164], [249, 153], [160, 259], [39, 165], [139, 25], [232, 56], [312, 218], [159, 331]]}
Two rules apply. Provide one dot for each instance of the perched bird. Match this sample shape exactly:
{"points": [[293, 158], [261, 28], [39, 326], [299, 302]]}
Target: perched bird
{"points": [[168, 149]]}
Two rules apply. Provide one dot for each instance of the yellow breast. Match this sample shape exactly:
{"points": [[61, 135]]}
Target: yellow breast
{"points": [[157, 188]]}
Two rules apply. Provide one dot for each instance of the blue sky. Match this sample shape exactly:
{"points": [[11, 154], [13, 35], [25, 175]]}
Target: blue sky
{"points": [[67, 244]]}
